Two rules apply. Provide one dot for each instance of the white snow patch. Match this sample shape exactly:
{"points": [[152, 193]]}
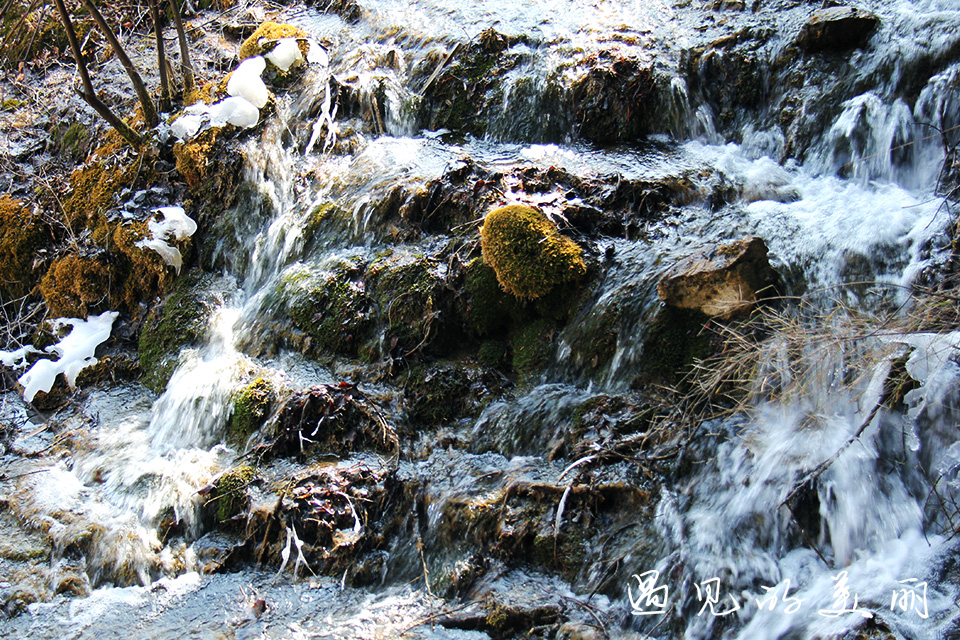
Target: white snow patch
{"points": [[17, 359], [236, 111]]}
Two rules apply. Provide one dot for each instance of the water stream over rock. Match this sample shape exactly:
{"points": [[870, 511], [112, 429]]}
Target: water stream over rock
{"points": [[436, 459]]}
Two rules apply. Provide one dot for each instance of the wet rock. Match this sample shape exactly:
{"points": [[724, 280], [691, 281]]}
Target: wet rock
{"points": [[725, 284], [333, 308], [416, 306], [462, 97], [251, 406], [837, 29], [614, 98], [230, 492], [110, 369], [729, 73], [338, 514], [180, 321], [215, 551], [329, 419]]}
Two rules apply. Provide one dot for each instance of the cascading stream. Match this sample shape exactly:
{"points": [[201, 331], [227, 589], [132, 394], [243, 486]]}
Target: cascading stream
{"points": [[851, 224]]}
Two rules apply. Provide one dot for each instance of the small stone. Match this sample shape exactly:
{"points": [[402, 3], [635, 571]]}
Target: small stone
{"points": [[726, 284], [837, 29]]}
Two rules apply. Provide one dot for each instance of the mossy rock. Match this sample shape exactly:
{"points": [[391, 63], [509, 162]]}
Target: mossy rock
{"points": [[268, 31], [436, 396], [251, 406], [192, 157], [334, 310], [464, 96], [532, 346], [322, 215], [179, 322], [22, 237], [231, 492], [493, 353], [110, 370], [75, 286], [72, 141], [416, 310], [675, 340], [96, 186], [32, 28], [490, 308], [528, 253]]}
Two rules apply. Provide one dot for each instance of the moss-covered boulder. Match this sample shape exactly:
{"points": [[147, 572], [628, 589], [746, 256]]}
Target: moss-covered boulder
{"points": [[333, 308], [528, 253], [416, 311], [467, 93], [533, 344], [22, 236], [437, 395], [75, 286], [489, 307]]}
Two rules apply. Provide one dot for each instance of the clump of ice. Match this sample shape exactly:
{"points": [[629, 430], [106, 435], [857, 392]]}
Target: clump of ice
{"points": [[285, 54], [187, 125], [248, 92], [75, 350], [316, 54], [245, 82], [17, 359], [175, 223], [236, 111]]}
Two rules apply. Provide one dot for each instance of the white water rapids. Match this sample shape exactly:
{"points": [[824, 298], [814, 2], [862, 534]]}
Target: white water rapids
{"points": [[852, 224]]}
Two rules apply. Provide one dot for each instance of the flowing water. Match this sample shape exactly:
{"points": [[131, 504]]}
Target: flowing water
{"points": [[842, 192]]}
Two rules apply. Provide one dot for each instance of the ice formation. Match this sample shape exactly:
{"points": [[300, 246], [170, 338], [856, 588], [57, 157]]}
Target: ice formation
{"points": [[285, 54], [245, 82], [248, 93], [75, 350], [236, 111], [17, 359], [175, 222]]}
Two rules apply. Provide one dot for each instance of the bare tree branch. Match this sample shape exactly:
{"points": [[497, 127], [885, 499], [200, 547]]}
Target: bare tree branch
{"points": [[146, 102], [87, 93]]}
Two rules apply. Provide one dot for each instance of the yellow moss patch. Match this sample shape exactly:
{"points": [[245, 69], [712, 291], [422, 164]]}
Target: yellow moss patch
{"points": [[269, 31], [22, 234], [204, 93], [145, 274], [192, 158], [75, 286], [527, 251]]}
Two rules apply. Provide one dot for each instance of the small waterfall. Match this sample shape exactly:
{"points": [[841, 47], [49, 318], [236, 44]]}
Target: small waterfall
{"points": [[832, 476]]}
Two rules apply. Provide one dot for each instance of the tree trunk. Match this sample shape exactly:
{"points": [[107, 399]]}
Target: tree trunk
{"points": [[161, 57], [189, 81]]}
